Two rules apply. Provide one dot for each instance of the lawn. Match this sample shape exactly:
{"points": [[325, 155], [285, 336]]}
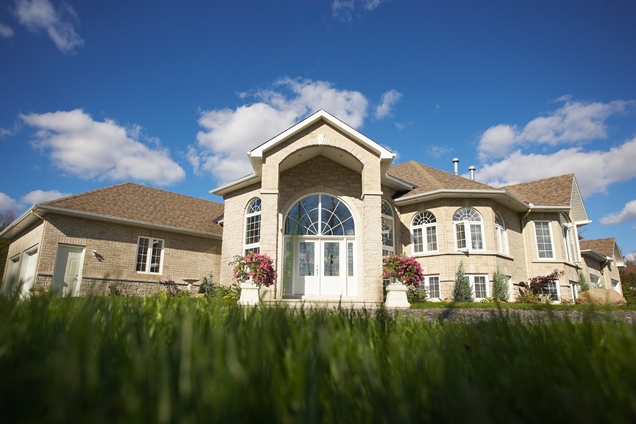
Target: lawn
{"points": [[101, 359]]}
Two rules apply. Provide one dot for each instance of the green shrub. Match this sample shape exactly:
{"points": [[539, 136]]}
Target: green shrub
{"points": [[416, 294], [583, 283], [462, 292], [500, 291]]}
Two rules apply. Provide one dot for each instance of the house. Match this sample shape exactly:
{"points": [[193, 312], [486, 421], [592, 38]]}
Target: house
{"points": [[327, 204], [129, 235]]}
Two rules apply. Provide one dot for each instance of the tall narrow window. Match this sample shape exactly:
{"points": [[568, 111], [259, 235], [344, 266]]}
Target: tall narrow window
{"points": [[480, 286], [252, 239], [569, 240], [544, 239], [424, 232], [500, 234], [388, 230], [552, 290], [469, 230], [432, 285], [149, 255], [12, 275]]}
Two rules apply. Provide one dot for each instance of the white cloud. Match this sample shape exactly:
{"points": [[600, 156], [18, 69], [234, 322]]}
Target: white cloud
{"points": [[594, 170], [5, 31], [228, 134], [103, 150], [627, 214], [39, 196], [344, 10], [41, 15], [574, 122], [7, 203], [630, 257], [389, 99]]}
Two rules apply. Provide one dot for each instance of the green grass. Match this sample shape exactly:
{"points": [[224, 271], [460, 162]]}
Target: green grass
{"points": [[191, 360], [527, 306]]}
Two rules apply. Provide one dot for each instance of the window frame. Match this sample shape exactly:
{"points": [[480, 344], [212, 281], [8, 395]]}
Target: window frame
{"points": [[467, 227], [501, 236], [387, 250], [427, 286], [253, 217], [551, 239], [570, 237], [12, 273], [149, 255], [471, 280], [424, 229], [554, 293]]}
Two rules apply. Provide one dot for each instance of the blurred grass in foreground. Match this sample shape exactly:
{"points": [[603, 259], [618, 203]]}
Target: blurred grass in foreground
{"points": [[191, 360]]}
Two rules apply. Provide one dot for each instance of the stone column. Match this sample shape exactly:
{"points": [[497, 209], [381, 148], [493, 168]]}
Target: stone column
{"points": [[269, 223]]}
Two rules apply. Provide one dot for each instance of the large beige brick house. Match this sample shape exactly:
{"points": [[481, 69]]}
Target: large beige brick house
{"points": [[327, 204]]}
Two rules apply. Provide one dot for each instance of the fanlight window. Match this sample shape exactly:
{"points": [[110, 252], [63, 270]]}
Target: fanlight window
{"points": [[468, 229], [319, 215], [252, 227], [424, 232]]}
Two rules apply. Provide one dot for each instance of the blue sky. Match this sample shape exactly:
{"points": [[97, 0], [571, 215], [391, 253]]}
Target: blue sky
{"points": [[172, 94]]}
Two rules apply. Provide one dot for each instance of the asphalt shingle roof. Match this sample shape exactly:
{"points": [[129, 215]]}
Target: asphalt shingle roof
{"points": [[603, 246], [553, 191], [147, 204]]}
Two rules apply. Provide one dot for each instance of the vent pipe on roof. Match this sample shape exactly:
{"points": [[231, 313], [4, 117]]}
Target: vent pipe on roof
{"points": [[472, 172], [456, 165]]}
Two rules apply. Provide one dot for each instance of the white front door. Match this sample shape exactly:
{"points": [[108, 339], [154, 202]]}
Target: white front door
{"points": [[320, 268], [68, 267]]}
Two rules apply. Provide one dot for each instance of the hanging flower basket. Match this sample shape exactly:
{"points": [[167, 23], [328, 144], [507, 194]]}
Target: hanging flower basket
{"points": [[253, 271], [402, 271]]}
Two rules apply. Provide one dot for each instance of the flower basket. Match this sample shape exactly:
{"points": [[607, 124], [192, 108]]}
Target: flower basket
{"points": [[253, 271], [401, 271]]}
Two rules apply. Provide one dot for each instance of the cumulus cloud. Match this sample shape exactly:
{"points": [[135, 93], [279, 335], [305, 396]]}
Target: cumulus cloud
{"points": [[389, 99], [41, 15], [39, 196], [5, 31], [574, 122], [627, 214], [90, 149], [7, 203], [344, 10], [630, 257], [228, 134], [595, 170]]}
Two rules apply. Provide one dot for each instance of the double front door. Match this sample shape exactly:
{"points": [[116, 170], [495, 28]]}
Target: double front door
{"points": [[324, 267]]}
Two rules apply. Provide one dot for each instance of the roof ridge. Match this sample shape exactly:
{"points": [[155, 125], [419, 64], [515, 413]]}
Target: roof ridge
{"points": [[84, 193]]}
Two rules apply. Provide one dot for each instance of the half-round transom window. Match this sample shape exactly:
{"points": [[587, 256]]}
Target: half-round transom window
{"points": [[319, 215]]}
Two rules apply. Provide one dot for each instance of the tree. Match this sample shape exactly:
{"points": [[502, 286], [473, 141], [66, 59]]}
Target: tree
{"points": [[583, 283], [462, 291], [499, 286], [628, 283]]}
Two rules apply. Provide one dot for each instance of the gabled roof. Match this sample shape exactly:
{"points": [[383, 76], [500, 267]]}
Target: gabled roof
{"points": [[431, 183], [256, 155], [605, 247], [554, 192], [135, 205]]}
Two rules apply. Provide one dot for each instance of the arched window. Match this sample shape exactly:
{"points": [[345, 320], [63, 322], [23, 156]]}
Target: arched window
{"points": [[500, 234], [252, 240], [319, 214], [469, 230], [388, 231], [424, 232]]}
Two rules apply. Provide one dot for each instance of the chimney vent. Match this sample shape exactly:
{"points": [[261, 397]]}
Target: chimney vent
{"points": [[472, 172], [456, 165]]}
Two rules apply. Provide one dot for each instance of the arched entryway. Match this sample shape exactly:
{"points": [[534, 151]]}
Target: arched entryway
{"points": [[320, 248]]}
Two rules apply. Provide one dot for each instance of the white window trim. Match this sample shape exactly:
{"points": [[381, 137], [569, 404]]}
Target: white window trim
{"points": [[501, 235], [256, 245], [390, 249], [424, 229], [149, 255], [558, 291], [467, 232], [12, 274], [427, 286], [536, 240], [471, 279]]}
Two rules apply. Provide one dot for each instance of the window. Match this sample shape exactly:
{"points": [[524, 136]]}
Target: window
{"points": [[432, 287], [596, 281], [544, 239], [574, 286], [468, 230], [569, 239], [500, 234], [253, 227], [615, 285], [388, 231], [424, 232], [479, 283], [149, 255], [12, 275], [552, 290]]}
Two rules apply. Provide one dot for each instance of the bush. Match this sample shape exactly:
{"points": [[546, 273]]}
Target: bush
{"points": [[462, 291], [500, 291], [583, 284], [416, 294], [405, 269]]}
